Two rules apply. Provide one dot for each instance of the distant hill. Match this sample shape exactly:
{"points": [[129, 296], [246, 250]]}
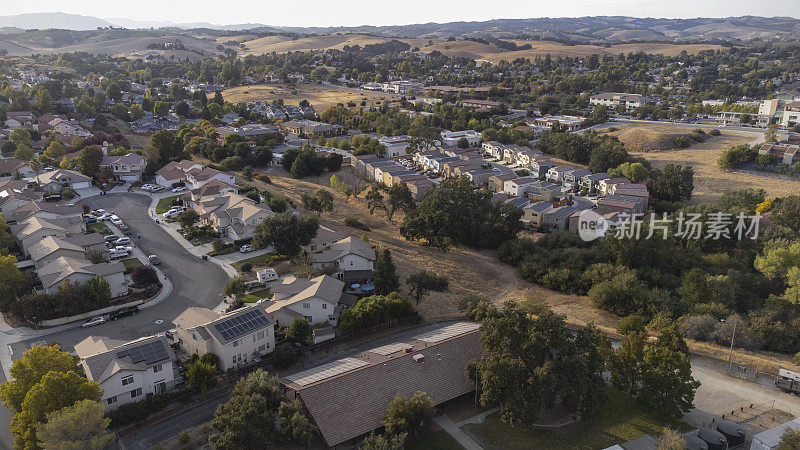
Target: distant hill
{"points": [[52, 20]]}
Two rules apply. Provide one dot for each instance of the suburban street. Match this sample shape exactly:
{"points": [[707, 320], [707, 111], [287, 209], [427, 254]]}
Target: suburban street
{"points": [[195, 283]]}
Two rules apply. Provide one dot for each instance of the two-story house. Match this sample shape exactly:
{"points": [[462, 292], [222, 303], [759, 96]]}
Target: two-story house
{"points": [[315, 299], [350, 259], [233, 215], [126, 168], [235, 337], [129, 371]]}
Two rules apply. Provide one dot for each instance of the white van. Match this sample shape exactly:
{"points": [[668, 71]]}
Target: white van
{"points": [[116, 254]]}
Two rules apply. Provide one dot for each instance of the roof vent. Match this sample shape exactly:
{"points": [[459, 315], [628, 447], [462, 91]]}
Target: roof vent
{"points": [[419, 357]]}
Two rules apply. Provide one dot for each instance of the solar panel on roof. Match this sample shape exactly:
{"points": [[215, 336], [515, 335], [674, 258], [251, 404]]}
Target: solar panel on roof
{"points": [[241, 324], [447, 332], [149, 352], [325, 371]]}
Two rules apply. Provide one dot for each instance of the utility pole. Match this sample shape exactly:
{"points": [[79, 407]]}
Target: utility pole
{"points": [[730, 355]]}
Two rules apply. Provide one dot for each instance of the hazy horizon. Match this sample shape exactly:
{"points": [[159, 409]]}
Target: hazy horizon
{"points": [[315, 13]]}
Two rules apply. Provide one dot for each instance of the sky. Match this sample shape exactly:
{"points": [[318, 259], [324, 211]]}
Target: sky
{"points": [[372, 12]]}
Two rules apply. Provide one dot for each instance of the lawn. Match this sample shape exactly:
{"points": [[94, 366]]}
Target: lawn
{"points": [[259, 260], [131, 263], [619, 421], [164, 204], [438, 440], [100, 227], [256, 296]]}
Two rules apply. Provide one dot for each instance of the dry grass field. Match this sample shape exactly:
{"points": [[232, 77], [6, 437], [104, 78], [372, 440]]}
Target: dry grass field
{"points": [[468, 49], [321, 96], [709, 181]]}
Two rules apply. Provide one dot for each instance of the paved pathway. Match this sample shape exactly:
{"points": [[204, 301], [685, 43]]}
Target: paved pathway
{"points": [[454, 430]]}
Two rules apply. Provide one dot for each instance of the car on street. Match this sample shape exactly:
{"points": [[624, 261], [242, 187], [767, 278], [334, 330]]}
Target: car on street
{"points": [[154, 260], [123, 241], [179, 189], [246, 248], [97, 320], [120, 313], [104, 217], [124, 228], [116, 220], [91, 219], [99, 212]]}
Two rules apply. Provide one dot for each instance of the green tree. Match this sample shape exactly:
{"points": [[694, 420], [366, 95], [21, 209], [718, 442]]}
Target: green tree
{"points": [[410, 416], [28, 371], [20, 136], [384, 277], [246, 421], [295, 426], [626, 363], [80, 426], [667, 383], [23, 153], [400, 197], [285, 232], [201, 375], [786, 212], [136, 112], [44, 101], [235, 287], [160, 109], [636, 172], [383, 442], [56, 390], [374, 310], [422, 282], [55, 150], [375, 200], [188, 218], [321, 201], [300, 329], [164, 147], [90, 160], [97, 292], [11, 279], [535, 362]]}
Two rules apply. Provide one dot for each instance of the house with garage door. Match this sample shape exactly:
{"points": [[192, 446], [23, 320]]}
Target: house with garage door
{"points": [[14, 194], [13, 166], [56, 180], [129, 371], [56, 272], [232, 215], [126, 168], [175, 172]]}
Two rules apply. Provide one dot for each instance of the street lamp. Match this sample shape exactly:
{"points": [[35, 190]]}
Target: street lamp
{"points": [[730, 354]]}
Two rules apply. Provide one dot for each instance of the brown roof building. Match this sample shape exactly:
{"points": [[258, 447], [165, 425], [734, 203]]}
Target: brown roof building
{"points": [[349, 397]]}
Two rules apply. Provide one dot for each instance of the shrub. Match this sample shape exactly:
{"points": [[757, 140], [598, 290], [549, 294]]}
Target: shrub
{"points": [[138, 411], [184, 437], [374, 310], [357, 224], [144, 275], [660, 321], [715, 132], [247, 267], [681, 142], [697, 327], [796, 359], [631, 323], [264, 178]]}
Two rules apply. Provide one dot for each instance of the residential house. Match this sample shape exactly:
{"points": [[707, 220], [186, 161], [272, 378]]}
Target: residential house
{"points": [[451, 138], [175, 172], [615, 99], [359, 162], [518, 202], [558, 218], [58, 179], [19, 119], [371, 165], [556, 174], [532, 213], [9, 167], [50, 248], [349, 259], [493, 149], [540, 166], [399, 177], [479, 177], [545, 191], [620, 203], [605, 186], [497, 182], [789, 154], [213, 188], [572, 180], [232, 215], [56, 272], [518, 187], [390, 175], [45, 210], [591, 182], [364, 383], [395, 145], [419, 188], [236, 337], [33, 229], [572, 123], [126, 168], [304, 127], [69, 127], [129, 371], [324, 239], [196, 177], [14, 194], [526, 157], [316, 299]]}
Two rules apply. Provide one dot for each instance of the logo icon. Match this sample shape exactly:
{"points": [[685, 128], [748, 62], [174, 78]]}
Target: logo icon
{"points": [[592, 225]]}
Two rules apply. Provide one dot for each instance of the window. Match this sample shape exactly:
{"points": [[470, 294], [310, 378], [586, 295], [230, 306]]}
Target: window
{"points": [[237, 342], [111, 400], [306, 305], [157, 368], [127, 380], [324, 306], [136, 392], [194, 336], [159, 387], [262, 347], [261, 334]]}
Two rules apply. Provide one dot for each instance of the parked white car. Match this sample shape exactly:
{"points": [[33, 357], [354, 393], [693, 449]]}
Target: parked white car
{"points": [[246, 248], [179, 189], [116, 254], [123, 241], [174, 212]]}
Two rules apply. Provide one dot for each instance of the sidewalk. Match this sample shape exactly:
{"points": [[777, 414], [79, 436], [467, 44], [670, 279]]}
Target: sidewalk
{"points": [[455, 431]]}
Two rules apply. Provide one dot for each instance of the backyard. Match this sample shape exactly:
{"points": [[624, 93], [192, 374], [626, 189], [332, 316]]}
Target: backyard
{"points": [[620, 420], [260, 260], [256, 296]]}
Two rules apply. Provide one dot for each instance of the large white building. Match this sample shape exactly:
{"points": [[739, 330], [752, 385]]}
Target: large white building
{"points": [[128, 371], [451, 138], [395, 145], [614, 99]]}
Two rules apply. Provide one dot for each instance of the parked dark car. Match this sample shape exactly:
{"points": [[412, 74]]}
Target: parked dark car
{"points": [[127, 311], [124, 228], [91, 219]]}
